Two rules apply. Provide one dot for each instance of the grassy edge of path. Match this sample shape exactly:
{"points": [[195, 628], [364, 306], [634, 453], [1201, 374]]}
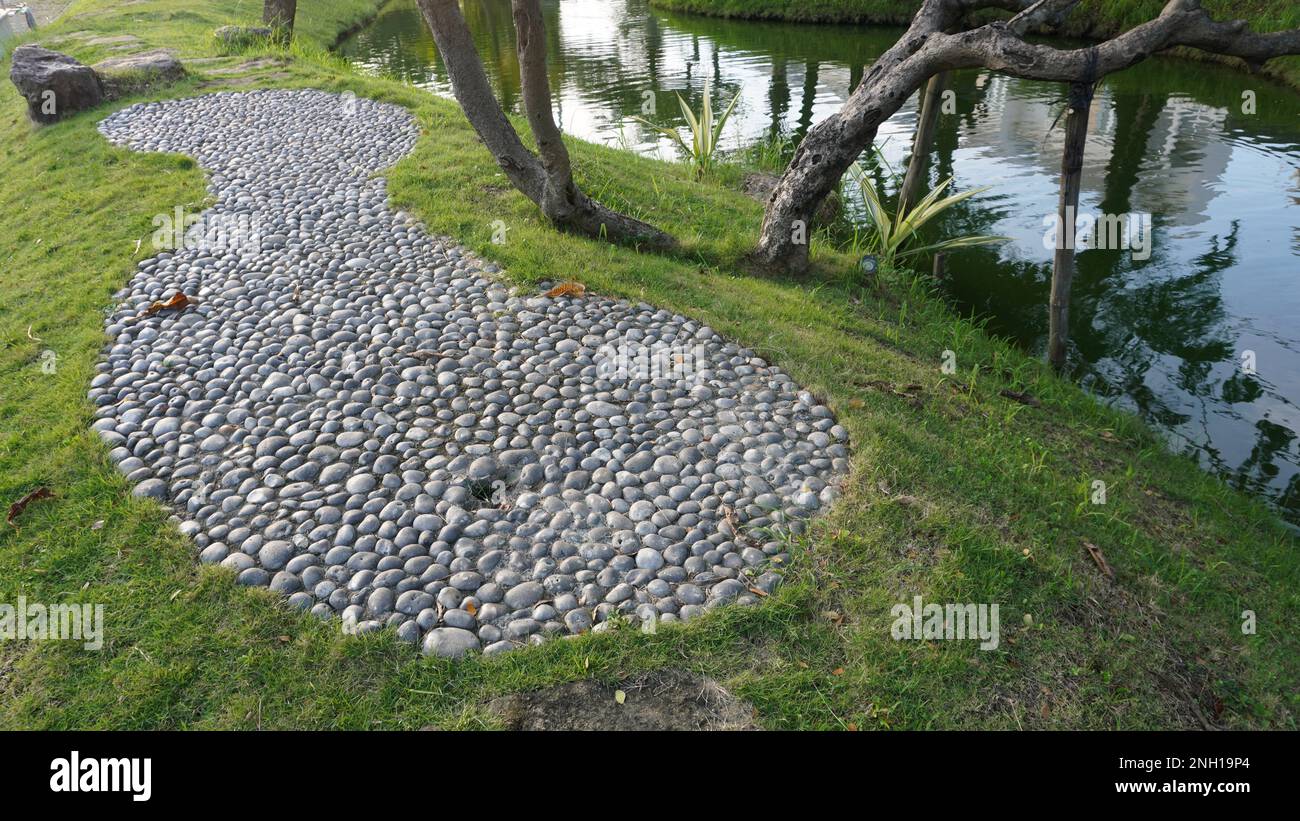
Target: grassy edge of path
{"points": [[1095, 19], [957, 494]]}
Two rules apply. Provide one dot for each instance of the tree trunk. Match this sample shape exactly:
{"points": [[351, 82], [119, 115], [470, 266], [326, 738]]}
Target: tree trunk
{"points": [[832, 145], [1076, 136], [547, 181], [925, 49], [820, 161], [925, 123], [561, 200], [278, 15]]}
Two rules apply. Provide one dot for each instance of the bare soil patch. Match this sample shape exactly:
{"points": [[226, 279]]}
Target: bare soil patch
{"points": [[663, 700]]}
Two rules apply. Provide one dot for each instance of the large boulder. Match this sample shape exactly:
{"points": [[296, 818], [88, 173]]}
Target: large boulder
{"points": [[235, 37], [133, 73], [54, 84]]}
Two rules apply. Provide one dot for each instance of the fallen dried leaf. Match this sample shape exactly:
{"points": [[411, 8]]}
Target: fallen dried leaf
{"points": [[619, 696], [1102, 565], [471, 608], [906, 500], [179, 302], [838, 671], [568, 289], [98, 525], [1022, 398], [19, 506]]}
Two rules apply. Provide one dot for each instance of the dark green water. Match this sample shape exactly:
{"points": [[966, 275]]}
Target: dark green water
{"points": [[1163, 336]]}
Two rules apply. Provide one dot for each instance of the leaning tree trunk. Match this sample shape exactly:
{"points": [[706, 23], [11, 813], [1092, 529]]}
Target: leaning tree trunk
{"points": [[547, 181], [833, 145], [1076, 136], [926, 49], [278, 16], [925, 123]]}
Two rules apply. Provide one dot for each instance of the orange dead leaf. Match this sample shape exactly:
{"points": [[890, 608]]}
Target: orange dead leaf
{"points": [[19, 506], [470, 608], [568, 289], [838, 671], [179, 302]]}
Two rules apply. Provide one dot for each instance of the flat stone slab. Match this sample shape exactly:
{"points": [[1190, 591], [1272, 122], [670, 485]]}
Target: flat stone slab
{"points": [[366, 419], [112, 40]]}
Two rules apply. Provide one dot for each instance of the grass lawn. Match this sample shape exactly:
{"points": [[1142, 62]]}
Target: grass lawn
{"points": [[957, 493]]}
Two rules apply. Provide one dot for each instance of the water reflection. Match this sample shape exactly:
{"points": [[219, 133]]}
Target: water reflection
{"points": [[1163, 336]]}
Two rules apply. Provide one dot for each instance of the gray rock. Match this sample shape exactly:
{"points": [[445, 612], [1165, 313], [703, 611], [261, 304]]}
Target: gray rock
{"points": [[647, 558], [450, 642], [524, 595], [234, 37], [578, 621], [54, 85], [133, 73]]}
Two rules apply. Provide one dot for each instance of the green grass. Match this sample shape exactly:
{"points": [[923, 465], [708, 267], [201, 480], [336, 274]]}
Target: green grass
{"points": [[956, 493], [1096, 19]]}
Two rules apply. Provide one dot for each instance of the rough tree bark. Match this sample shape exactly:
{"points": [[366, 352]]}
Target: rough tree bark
{"points": [[926, 48], [279, 14], [546, 178], [1076, 136]]}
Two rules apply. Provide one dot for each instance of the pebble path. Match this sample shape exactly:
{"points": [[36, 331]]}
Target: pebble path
{"points": [[369, 421]]}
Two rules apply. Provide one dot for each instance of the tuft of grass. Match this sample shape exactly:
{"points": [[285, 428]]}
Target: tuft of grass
{"points": [[957, 493]]}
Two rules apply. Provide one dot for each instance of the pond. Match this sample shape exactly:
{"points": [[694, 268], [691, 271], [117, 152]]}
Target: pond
{"points": [[1199, 333]]}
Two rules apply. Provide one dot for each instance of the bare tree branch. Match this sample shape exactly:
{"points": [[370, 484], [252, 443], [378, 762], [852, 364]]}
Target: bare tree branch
{"points": [[925, 49]]}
